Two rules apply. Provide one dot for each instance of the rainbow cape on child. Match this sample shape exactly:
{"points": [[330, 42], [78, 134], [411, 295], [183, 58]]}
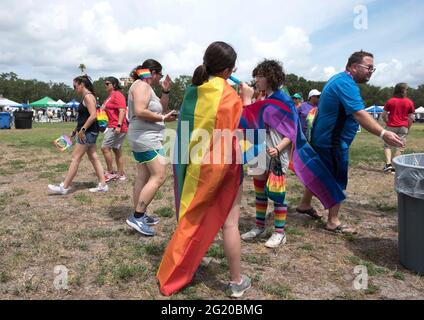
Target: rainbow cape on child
{"points": [[279, 112], [205, 186]]}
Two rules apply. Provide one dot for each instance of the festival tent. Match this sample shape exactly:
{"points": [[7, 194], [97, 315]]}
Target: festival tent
{"points": [[60, 103], [43, 103], [73, 104], [419, 110], [9, 103], [375, 109]]}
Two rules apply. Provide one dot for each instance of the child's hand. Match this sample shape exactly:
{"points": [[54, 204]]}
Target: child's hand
{"points": [[272, 152]]}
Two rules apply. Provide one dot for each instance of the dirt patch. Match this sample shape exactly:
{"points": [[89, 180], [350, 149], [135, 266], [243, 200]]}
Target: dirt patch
{"points": [[87, 234]]}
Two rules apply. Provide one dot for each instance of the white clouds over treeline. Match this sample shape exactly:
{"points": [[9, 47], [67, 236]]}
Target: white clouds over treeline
{"points": [[48, 40]]}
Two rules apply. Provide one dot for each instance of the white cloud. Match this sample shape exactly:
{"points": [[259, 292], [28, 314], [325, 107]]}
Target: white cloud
{"points": [[112, 37]]}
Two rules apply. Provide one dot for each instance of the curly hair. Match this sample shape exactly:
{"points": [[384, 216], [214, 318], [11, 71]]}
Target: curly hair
{"points": [[273, 71]]}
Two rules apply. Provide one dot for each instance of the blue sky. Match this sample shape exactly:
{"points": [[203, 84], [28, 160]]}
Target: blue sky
{"points": [[312, 39]]}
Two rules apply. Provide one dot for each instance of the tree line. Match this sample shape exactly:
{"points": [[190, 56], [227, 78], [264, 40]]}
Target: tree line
{"points": [[24, 91]]}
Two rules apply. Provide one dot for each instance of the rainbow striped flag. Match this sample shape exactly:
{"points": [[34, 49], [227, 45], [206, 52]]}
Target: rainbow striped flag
{"points": [[279, 112], [205, 188], [102, 119]]}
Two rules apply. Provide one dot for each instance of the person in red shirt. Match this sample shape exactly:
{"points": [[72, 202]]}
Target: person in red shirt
{"points": [[116, 110], [399, 116]]}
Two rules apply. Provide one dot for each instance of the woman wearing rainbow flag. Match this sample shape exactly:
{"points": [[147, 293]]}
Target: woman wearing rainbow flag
{"points": [[207, 194], [147, 122], [269, 77]]}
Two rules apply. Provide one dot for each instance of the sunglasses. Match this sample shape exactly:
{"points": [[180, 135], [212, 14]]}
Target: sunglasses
{"points": [[107, 83], [369, 68]]}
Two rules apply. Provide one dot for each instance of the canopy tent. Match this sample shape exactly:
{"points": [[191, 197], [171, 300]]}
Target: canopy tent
{"points": [[72, 104], [419, 110], [375, 109], [43, 103], [60, 102], [9, 103]]}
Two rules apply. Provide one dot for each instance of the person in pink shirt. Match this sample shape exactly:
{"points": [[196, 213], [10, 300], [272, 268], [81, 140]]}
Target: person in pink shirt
{"points": [[399, 116], [116, 110]]}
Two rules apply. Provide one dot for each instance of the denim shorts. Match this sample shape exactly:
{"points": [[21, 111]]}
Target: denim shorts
{"points": [[90, 138]]}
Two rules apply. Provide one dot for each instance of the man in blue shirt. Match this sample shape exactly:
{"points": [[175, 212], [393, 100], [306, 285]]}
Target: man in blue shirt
{"points": [[340, 111]]}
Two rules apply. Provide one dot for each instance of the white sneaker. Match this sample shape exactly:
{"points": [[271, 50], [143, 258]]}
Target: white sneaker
{"points": [[121, 178], [276, 239], [58, 189], [252, 234], [100, 188]]}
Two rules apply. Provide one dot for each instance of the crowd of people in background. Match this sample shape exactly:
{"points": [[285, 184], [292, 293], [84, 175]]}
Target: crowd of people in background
{"points": [[329, 121]]}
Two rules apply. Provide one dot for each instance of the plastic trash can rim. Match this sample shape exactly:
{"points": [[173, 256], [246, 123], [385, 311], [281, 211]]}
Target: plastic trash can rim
{"points": [[395, 160]]}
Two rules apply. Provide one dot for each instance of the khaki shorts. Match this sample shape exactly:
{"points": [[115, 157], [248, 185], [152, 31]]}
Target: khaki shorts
{"points": [[112, 140], [402, 132]]}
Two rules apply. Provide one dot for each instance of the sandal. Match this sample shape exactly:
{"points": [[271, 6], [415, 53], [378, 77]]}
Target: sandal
{"points": [[310, 212], [342, 229]]}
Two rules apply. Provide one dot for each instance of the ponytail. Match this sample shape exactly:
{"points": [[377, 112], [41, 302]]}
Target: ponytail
{"points": [[86, 80], [200, 75]]}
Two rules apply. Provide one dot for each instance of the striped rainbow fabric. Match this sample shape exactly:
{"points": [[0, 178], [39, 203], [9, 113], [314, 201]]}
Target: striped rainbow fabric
{"points": [[143, 73], [102, 119], [204, 193], [310, 118], [279, 112]]}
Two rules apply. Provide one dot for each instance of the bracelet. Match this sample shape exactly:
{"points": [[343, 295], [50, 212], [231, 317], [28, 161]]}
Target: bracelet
{"points": [[163, 118], [83, 129], [383, 133], [166, 92]]}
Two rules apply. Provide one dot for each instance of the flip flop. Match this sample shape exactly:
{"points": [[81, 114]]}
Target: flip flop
{"points": [[341, 229], [310, 212]]}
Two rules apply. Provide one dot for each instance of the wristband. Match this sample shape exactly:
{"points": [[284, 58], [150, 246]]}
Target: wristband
{"points": [[119, 125], [83, 129], [163, 118], [382, 133], [166, 92]]}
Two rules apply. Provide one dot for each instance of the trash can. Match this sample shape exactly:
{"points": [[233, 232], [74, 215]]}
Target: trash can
{"points": [[23, 119], [409, 184], [4, 120]]}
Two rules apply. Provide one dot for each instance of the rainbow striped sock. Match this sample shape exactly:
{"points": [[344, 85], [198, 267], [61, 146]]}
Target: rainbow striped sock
{"points": [[261, 202], [280, 212]]}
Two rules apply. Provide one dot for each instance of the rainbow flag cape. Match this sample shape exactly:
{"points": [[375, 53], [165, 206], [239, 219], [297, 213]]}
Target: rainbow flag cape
{"points": [[205, 188], [279, 112]]}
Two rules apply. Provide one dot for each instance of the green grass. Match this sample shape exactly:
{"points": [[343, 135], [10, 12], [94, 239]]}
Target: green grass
{"points": [[83, 198], [165, 212], [280, 291], [126, 271], [216, 251], [372, 269]]}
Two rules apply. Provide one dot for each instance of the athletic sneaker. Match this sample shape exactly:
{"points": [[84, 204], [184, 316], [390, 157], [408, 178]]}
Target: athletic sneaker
{"points": [[121, 178], [150, 221], [109, 176], [58, 189], [276, 240], [252, 234], [100, 188], [140, 226], [237, 290], [388, 167]]}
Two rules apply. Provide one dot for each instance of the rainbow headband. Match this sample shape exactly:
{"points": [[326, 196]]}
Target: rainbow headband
{"points": [[143, 74]]}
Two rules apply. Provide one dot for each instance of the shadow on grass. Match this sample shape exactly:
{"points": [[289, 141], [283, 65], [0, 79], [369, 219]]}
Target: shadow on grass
{"points": [[382, 252], [120, 213]]}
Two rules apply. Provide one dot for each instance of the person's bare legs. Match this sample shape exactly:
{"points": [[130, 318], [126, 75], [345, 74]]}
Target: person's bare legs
{"points": [[231, 237], [388, 154], [333, 219], [77, 155], [306, 202], [97, 165], [157, 171], [142, 176], [119, 158], [108, 158]]}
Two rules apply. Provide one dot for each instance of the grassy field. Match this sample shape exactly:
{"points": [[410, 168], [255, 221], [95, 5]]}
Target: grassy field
{"points": [[87, 233]]}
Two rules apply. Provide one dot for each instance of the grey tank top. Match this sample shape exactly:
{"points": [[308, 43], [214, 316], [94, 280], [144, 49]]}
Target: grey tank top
{"points": [[145, 135]]}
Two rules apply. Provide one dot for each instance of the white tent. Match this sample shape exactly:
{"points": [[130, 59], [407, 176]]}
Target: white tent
{"points": [[60, 103], [419, 110], [8, 103]]}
